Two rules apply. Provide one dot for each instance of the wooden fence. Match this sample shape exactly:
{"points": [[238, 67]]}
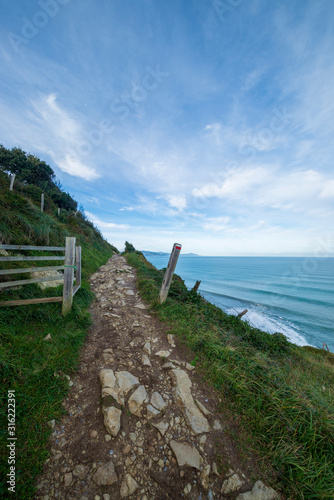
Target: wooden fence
{"points": [[72, 262]]}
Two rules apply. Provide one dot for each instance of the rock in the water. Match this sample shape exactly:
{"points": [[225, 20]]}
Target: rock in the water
{"points": [[259, 492], [162, 427], [112, 419], [105, 475], [186, 454], [137, 400], [129, 486], [232, 484], [158, 402], [183, 397]]}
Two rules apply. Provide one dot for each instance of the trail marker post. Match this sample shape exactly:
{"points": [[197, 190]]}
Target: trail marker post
{"points": [[42, 202], [169, 272]]}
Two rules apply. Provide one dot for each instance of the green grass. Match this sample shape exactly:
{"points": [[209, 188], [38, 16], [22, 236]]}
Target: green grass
{"points": [[28, 363], [281, 394]]}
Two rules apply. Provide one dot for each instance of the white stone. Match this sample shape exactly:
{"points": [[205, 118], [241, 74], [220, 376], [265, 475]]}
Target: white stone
{"points": [[129, 292], [186, 454], [187, 489], [108, 382], [152, 412], [190, 367], [232, 484], [158, 402], [129, 486], [112, 419], [162, 354], [184, 399], [202, 408], [137, 400], [162, 427], [259, 492], [146, 360], [171, 340], [215, 469], [168, 366], [205, 476], [147, 348]]}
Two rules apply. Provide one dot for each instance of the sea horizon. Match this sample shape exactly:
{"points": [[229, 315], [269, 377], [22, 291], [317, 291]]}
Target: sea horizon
{"points": [[289, 294]]}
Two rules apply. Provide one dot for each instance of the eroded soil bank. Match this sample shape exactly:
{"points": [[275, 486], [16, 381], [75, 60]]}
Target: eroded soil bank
{"points": [[140, 422]]}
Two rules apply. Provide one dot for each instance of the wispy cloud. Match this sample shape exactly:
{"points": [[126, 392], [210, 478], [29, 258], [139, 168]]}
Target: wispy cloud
{"points": [[105, 225]]}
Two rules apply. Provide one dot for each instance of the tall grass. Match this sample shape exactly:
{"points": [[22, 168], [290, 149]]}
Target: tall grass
{"points": [[282, 394]]}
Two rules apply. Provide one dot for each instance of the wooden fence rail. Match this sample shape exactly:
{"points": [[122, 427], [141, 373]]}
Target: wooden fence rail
{"points": [[72, 263]]}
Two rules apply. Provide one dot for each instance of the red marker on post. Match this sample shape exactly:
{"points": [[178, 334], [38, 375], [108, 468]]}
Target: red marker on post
{"points": [[169, 272]]}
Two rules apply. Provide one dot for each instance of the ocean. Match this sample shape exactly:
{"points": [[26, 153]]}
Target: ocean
{"points": [[291, 295]]}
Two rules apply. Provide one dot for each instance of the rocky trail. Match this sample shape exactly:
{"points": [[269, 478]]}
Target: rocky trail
{"points": [[140, 422]]}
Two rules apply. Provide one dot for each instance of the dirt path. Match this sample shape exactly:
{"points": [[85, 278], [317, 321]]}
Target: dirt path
{"points": [[140, 422]]}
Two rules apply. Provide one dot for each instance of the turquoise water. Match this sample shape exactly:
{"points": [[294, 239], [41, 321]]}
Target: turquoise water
{"points": [[291, 295]]}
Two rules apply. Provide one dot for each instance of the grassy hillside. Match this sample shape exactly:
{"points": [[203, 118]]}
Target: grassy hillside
{"points": [[280, 394], [34, 368]]}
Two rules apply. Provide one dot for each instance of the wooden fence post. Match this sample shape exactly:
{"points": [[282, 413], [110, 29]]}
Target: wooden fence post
{"points": [[58, 211], [169, 272], [12, 179], [42, 202], [78, 267], [68, 275]]}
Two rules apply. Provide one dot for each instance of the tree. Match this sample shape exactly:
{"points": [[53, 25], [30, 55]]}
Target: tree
{"points": [[129, 247]]}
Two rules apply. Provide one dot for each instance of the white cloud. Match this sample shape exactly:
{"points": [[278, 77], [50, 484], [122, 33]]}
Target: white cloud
{"points": [[178, 202], [295, 190], [216, 224], [73, 166], [105, 225], [236, 182]]}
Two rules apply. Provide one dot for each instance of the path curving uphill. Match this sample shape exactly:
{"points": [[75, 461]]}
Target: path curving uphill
{"points": [[140, 423]]}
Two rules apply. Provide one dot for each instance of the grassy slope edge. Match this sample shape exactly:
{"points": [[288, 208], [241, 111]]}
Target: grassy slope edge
{"points": [[281, 394], [37, 369]]}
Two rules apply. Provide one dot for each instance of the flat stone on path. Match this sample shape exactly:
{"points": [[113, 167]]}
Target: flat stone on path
{"points": [[158, 402], [232, 484], [162, 427], [105, 475], [129, 486], [137, 400], [112, 420], [259, 492], [162, 354], [186, 454], [184, 399]]}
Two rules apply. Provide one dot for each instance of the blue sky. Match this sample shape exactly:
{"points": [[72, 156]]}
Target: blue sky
{"points": [[209, 123]]}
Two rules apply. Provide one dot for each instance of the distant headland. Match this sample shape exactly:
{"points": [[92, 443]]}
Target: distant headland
{"points": [[162, 254]]}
